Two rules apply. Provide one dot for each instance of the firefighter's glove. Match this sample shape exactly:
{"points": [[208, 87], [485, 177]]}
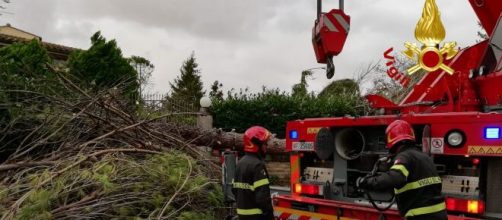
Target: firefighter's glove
{"points": [[362, 182]]}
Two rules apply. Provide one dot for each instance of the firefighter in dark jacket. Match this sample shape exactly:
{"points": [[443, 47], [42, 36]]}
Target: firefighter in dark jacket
{"points": [[413, 176], [251, 184]]}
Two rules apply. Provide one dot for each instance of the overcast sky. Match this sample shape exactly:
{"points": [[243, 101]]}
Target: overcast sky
{"points": [[241, 43]]}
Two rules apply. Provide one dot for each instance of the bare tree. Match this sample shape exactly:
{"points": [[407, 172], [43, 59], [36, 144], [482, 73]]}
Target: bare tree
{"points": [[144, 68], [3, 7], [382, 84], [300, 89], [481, 33]]}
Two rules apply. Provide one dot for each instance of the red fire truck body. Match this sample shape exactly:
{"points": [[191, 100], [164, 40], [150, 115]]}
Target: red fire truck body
{"points": [[457, 119]]}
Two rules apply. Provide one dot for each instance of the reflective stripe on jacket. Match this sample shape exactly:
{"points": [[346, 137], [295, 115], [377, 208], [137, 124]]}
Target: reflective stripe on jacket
{"points": [[251, 189]]}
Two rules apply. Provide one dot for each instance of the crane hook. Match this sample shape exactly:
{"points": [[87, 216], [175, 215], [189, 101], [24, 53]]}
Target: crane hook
{"points": [[330, 67]]}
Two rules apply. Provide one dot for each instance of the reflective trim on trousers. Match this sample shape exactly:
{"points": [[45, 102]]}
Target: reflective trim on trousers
{"points": [[249, 211], [426, 210]]}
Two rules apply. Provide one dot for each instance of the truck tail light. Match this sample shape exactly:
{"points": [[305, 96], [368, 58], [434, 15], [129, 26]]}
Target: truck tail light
{"points": [[465, 206], [308, 189], [474, 206], [298, 188]]}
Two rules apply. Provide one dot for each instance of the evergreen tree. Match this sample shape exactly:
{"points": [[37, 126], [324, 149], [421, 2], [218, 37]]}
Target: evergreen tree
{"points": [[216, 92], [188, 86], [103, 66]]}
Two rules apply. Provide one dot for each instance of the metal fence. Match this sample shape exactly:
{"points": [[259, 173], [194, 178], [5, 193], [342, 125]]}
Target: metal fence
{"points": [[153, 101], [162, 104]]}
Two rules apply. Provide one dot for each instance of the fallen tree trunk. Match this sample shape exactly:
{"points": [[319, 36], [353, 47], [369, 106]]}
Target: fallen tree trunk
{"points": [[218, 139], [234, 141]]}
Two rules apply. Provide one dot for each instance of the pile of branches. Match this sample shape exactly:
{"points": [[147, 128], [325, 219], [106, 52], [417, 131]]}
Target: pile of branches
{"points": [[74, 153]]}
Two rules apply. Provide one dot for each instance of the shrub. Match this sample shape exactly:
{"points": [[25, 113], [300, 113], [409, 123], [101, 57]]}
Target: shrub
{"points": [[273, 109]]}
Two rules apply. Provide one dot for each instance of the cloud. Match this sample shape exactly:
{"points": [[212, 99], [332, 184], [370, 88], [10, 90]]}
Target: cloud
{"points": [[32, 16], [218, 19], [241, 43]]}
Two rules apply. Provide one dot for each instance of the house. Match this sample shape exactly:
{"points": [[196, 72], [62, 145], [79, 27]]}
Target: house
{"points": [[10, 35]]}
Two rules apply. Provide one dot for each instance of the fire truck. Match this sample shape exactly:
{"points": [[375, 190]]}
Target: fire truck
{"points": [[455, 110]]}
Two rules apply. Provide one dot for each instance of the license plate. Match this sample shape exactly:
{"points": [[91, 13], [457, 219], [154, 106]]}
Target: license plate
{"points": [[303, 146], [460, 185], [318, 174]]}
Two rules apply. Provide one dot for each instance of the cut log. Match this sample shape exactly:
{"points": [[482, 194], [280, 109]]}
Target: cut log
{"points": [[234, 141]]}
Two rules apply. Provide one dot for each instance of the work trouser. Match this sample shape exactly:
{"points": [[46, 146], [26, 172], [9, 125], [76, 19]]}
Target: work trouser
{"points": [[441, 215]]}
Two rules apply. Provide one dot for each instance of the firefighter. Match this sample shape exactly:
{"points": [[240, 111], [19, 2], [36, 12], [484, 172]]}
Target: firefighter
{"points": [[413, 176], [251, 184]]}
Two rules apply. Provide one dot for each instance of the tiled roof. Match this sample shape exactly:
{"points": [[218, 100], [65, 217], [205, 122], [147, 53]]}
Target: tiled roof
{"points": [[55, 50], [9, 26]]}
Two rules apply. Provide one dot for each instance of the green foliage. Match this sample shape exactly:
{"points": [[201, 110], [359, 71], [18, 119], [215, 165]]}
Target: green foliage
{"points": [[37, 206], [194, 215], [102, 174], [24, 67], [24, 75], [216, 92], [188, 86], [103, 66], [27, 60], [126, 187], [273, 109], [341, 86]]}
